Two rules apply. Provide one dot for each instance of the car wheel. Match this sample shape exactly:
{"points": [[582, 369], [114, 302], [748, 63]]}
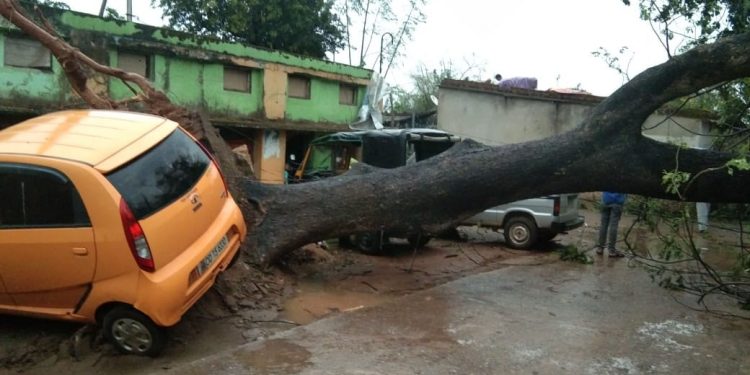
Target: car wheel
{"points": [[132, 332], [345, 242], [368, 243], [418, 241], [520, 232]]}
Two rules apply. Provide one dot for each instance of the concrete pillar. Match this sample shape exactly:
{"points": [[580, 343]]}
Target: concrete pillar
{"points": [[268, 156]]}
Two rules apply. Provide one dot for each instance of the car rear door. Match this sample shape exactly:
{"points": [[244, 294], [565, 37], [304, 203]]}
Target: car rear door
{"points": [[46, 239]]}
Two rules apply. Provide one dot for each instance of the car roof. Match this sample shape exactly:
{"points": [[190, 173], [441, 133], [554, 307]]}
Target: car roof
{"points": [[92, 137]]}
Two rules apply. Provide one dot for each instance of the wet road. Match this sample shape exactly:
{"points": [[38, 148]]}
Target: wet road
{"points": [[567, 318]]}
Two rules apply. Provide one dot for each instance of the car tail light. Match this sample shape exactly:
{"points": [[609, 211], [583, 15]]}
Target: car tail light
{"points": [[136, 238], [556, 207], [216, 163]]}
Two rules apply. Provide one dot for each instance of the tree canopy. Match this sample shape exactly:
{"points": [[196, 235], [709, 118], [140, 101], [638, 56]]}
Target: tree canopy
{"points": [[684, 24], [426, 82], [305, 27]]}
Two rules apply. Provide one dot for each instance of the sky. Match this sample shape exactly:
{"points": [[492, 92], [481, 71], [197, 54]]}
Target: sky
{"points": [[551, 40]]}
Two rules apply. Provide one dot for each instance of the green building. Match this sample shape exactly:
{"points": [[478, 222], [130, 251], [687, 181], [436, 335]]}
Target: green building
{"points": [[268, 104]]}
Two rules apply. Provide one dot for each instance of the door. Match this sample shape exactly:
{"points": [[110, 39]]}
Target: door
{"points": [[46, 239]]}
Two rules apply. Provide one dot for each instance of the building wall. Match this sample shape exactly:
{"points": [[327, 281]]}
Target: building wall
{"points": [[191, 73], [323, 104], [47, 86], [495, 118]]}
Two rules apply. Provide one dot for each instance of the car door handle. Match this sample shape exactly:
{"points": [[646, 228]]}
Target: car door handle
{"points": [[80, 251]]}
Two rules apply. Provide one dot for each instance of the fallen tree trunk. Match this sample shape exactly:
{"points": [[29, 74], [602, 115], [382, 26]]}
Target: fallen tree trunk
{"points": [[606, 152]]}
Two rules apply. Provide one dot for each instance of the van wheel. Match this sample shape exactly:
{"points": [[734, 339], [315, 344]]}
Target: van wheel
{"points": [[368, 243], [520, 232], [132, 332]]}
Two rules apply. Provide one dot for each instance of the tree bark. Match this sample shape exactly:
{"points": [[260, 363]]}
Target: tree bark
{"points": [[605, 152]]}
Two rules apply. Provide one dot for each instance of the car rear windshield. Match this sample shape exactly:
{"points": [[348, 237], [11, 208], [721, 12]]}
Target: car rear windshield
{"points": [[161, 175]]}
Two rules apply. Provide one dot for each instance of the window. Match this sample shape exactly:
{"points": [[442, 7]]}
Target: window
{"points": [[26, 53], [38, 197], [134, 63], [347, 94], [237, 79], [299, 87], [161, 175]]}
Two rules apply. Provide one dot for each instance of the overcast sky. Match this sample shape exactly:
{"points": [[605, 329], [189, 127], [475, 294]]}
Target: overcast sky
{"points": [[545, 39]]}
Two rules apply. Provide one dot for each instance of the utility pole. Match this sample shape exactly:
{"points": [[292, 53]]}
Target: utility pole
{"points": [[101, 10]]}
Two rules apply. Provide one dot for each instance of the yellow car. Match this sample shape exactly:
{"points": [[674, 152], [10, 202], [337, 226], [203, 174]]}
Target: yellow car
{"points": [[115, 218]]}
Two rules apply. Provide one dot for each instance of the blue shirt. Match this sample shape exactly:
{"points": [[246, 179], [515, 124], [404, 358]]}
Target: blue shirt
{"points": [[613, 198]]}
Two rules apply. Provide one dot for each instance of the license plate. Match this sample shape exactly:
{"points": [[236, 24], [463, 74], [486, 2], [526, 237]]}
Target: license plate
{"points": [[212, 255]]}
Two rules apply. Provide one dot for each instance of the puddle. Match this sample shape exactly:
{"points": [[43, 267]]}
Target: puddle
{"points": [[315, 300], [276, 357]]}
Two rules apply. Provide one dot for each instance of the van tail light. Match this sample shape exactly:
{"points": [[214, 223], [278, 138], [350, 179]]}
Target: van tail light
{"points": [[216, 163], [556, 207], [136, 238]]}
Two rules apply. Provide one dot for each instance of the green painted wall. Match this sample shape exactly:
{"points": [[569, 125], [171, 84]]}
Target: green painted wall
{"points": [[159, 71], [48, 87], [232, 102], [190, 72], [89, 22], [323, 105]]}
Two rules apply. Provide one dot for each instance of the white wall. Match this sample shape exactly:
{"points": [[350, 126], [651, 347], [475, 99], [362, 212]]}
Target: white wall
{"points": [[495, 117]]}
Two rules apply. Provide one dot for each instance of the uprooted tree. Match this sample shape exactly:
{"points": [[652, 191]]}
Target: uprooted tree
{"points": [[605, 152]]}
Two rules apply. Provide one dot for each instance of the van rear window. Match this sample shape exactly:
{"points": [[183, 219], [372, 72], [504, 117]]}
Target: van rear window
{"points": [[161, 175]]}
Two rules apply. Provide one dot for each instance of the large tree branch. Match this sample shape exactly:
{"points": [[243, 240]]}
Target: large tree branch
{"points": [[433, 194], [626, 109], [606, 152]]}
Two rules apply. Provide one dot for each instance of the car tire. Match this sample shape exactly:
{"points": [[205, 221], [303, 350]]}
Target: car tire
{"points": [[132, 332], [345, 242], [418, 241], [368, 243], [520, 232]]}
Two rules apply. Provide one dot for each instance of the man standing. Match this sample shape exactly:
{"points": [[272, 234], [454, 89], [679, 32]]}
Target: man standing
{"points": [[611, 211]]}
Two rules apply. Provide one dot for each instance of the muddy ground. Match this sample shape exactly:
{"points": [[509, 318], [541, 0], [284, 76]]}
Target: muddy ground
{"points": [[310, 284]]}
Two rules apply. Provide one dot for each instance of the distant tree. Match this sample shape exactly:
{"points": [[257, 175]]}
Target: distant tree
{"points": [[48, 3], [373, 24], [305, 27], [698, 21], [425, 83]]}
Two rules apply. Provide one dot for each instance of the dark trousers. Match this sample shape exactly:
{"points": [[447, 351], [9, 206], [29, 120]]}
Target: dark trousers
{"points": [[610, 220]]}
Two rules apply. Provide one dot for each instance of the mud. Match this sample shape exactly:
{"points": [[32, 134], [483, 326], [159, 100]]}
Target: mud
{"points": [[312, 283], [249, 304]]}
